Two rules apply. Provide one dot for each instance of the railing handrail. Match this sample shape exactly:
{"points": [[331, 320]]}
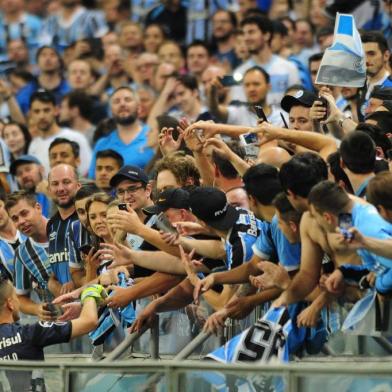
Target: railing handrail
{"points": [[129, 366]]}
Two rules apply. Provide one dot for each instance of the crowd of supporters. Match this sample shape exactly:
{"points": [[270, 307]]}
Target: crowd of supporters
{"points": [[181, 155]]}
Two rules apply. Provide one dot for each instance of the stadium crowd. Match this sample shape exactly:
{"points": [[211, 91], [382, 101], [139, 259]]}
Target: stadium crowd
{"points": [[158, 156]]}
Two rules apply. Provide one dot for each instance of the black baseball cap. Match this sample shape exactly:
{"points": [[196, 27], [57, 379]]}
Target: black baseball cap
{"points": [[22, 160], [169, 198], [379, 92], [211, 206], [387, 103], [129, 172], [300, 98]]}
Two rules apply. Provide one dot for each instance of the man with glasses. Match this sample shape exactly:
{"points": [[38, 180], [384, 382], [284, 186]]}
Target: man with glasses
{"points": [[132, 188]]}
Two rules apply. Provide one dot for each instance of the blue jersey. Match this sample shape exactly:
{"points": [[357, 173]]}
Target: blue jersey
{"points": [[24, 94], [136, 153], [26, 342], [31, 265], [273, 242], [45, 204], [58, 231], [28, 29], [78, 236], [61, 34], [240, 239], [7, 255], [367, 220]]}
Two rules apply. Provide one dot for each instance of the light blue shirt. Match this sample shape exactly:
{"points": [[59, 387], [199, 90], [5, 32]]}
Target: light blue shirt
{"points": [[136, 153], [272, 242]]}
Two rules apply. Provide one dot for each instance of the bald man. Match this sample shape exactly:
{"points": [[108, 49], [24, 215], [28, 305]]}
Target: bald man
{"points": [[274, 156], [63, 183]]}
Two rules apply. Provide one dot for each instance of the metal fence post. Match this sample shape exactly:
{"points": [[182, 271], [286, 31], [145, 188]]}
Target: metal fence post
{"points": [[154, 338]]}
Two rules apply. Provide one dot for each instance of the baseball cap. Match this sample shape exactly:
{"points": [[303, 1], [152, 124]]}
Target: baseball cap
{"points": [[300, 98], [21, 160], [379, 92], [211, 206], [387, 103], [129, 172], [169, 198]]}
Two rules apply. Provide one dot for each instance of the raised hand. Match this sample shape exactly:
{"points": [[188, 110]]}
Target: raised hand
{"points": [[274, 275]]}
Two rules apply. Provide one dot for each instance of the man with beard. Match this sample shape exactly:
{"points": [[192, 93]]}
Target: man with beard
{"points": [[43, 113], [63, 185], [377, 54], [130, 137], [224, 23], [258, 32], [29, 172]]}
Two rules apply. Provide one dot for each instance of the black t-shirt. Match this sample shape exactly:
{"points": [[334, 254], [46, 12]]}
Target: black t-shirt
{"points": [[26, 342]]}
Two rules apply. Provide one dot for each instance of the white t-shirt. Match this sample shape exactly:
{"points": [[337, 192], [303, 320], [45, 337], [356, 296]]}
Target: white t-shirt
{"points": [[39, 147], [282, 72], [241, 115]]}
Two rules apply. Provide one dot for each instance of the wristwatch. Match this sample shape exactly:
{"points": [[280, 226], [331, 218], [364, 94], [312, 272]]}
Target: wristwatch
{"points": [[344, 117]]}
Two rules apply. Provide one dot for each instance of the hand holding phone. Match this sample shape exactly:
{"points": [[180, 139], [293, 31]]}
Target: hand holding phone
{"points": [[260, 113], [123, 207], [345, 223], [325, 105], [228, 81]]}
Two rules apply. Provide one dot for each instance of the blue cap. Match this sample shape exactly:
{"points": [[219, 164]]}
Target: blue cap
{"points": [[22, 160], [129, 172]]}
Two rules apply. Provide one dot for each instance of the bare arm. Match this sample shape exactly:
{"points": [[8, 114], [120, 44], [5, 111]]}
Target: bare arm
{"points": [[213, 249], [78, 276], [324, 145], [88, 319]]}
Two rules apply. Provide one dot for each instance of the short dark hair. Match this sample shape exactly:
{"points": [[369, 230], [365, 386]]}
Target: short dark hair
{"points": [[86, 191], [337, 171], [61, 140], [223, 164], [262, 22], [14, 198], [328, 196], [82, 101], [259, 69], [377, 134], [43, 96], [377, 37], [358, 152], [379, 190], [285, 208], [302, 172], [198, 42], [315, 57], [383, 120], [280, 28], [262, 182], [188, 81], [109, 153]]}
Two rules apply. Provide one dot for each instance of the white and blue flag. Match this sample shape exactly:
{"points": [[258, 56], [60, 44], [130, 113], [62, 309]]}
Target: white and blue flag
{"points": [[343, 63]]}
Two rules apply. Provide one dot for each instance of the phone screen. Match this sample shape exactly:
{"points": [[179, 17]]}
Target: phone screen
{"points": [[163, 224], [345, 223]]}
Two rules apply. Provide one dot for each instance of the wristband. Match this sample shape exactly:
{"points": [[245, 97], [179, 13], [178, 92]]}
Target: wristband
{"points": [[95, 291]]}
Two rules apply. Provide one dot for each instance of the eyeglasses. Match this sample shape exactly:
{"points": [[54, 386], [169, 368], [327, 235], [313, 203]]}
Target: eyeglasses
{"points": [[130, 190]]}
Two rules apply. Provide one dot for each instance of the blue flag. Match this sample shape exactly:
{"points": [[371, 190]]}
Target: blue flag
{"points": [[343, 63]]}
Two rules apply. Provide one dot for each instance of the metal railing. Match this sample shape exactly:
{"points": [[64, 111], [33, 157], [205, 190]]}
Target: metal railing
{"points": [[173, 372]]}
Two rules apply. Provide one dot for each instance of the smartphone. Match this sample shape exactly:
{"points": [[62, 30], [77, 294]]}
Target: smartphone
{"points": [[53, 309], [326, 105], [85, 249], [228, 81], [250, 138], [123, 207], [345, 223], [163, 224], [284, 120], [260, 112]]}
